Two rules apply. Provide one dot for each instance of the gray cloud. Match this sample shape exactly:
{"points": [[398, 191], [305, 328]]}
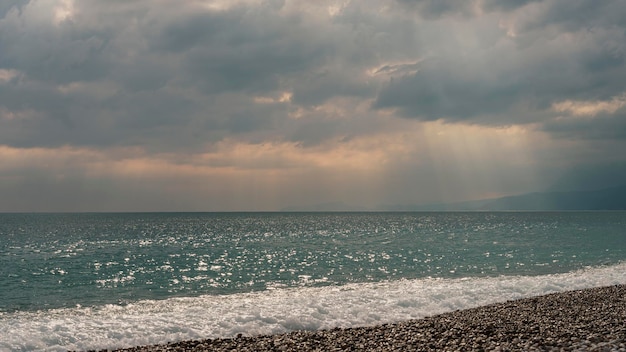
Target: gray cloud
{"points": [[166, 67], [58, 54], [571, 16], [16, 5], [601, 127], [506, 5], [490, 82], [178, 79], [437, 8]]}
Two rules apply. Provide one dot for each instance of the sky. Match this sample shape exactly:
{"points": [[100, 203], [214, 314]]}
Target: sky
{"points": [[258, 105]]}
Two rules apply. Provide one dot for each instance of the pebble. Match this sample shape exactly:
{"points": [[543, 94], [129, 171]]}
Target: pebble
{"points": [[583, 320]]}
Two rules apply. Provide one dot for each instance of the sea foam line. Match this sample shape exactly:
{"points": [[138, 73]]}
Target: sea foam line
{"points": [[277, 311]]}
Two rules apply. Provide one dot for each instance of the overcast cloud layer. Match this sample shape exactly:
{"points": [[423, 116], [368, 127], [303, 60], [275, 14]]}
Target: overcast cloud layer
{"points": [[258, 105]]}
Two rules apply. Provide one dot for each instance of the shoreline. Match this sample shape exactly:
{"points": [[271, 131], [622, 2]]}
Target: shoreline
{"points": [[589, 319]]}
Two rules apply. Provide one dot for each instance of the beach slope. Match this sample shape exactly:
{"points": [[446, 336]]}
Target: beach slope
{"points": [[592, 319]]}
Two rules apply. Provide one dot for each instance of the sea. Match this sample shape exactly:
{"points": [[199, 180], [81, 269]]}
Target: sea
{"points": [[88, 281]]}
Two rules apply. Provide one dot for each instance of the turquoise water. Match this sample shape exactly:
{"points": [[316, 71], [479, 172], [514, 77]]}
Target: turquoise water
{"points": [[66, 266]]}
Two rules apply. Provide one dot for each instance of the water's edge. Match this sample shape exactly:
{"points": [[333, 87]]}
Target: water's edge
{"points": [[276, 311], [581, 320]]}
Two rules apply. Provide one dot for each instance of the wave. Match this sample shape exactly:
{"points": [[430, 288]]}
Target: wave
{"points": [[277, 310]]}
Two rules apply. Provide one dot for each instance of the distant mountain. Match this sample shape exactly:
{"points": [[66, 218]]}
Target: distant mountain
{"points": [[613, 198]]}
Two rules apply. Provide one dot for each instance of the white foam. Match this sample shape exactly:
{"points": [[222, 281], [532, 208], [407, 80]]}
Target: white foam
{"points": [[276, 311]]}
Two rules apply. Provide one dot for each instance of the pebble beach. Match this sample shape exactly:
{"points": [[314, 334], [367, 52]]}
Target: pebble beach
{"points": [[583, 320]]}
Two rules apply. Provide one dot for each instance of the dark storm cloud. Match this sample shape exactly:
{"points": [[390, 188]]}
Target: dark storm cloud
{"points": [[139, 70], [14, 5], [506, 5], [211, 90], [59, 54], [240, 50], [437, 8], [601, 127], [48, 117], [321, 86], [574, 15], [551, 52], [104, 50], [444, 89], [117, 73]]}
